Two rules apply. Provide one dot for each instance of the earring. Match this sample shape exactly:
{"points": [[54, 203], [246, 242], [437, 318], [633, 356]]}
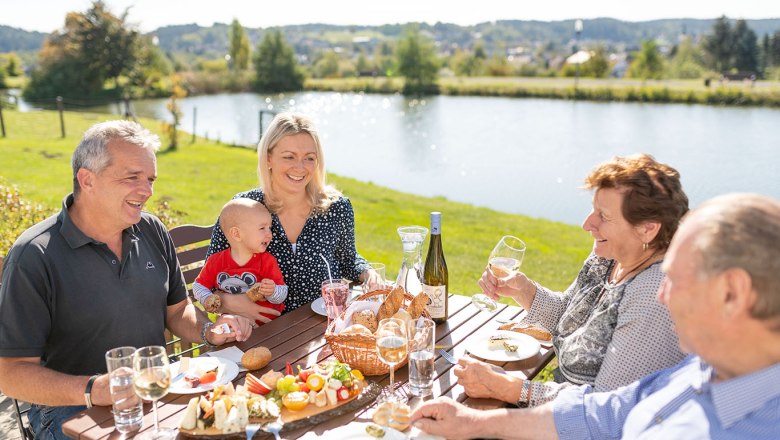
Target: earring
{"points": [[645, 246]]}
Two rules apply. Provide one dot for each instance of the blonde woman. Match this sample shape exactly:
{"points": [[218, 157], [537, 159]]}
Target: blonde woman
{"points": [[309, 217]]}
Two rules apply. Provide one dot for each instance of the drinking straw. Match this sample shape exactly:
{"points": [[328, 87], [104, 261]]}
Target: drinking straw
{"points": [[328, 267]]}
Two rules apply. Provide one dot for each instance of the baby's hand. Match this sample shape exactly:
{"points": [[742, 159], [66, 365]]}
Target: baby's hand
{"points": [[260, 291], [267, 287]]}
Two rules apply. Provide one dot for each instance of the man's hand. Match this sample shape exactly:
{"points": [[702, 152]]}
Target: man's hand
{"points": [[240, 330], [448, 418], [242, 305], [482, 380]]}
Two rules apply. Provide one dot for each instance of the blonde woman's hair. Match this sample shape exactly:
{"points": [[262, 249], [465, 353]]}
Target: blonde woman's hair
{"points": [[321, 195]]}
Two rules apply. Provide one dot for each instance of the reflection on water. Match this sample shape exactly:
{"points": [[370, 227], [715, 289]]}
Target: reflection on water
{"points": [[526, 156]]}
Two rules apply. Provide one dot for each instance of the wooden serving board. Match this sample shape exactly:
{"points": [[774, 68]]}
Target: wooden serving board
{"points": [[311, 415]]}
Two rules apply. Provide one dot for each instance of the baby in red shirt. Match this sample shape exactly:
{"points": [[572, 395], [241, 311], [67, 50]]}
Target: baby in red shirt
{"points": [[244, 267]]}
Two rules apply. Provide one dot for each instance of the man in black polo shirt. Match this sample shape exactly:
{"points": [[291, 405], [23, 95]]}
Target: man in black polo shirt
{"points": [[100, 274]]}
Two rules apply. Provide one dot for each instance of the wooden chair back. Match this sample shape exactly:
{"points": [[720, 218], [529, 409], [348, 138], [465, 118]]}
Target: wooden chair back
{"points": [[192, 243]]}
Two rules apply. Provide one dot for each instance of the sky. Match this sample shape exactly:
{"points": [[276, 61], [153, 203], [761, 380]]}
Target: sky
{"points": [[48, 15]]}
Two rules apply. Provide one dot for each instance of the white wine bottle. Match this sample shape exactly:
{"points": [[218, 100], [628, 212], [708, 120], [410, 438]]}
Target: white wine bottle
{"points": [[435, 279]]}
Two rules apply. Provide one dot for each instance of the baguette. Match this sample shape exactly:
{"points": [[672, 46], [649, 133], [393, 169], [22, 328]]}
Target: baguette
{"points": [[532, 330]]}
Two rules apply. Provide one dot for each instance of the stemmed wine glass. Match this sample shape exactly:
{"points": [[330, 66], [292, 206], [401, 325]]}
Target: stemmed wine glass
{"points": [[504, 263], [151, 379], [392, 347]]}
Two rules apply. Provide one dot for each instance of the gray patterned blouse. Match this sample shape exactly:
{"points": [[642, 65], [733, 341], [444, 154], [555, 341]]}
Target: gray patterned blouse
{"points": [[605, 335]]}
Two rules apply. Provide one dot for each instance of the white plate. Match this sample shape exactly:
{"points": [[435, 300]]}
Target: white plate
{"points": [[355, 431], [228, 370], [318, 306], [527, 347]]}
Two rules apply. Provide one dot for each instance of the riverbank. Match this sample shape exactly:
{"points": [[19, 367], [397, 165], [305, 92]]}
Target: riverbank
{"points": [[200, 177], [759, 93]]}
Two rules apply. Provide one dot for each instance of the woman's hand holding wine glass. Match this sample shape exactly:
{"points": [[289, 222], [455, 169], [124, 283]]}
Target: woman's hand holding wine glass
{"points": [[151, 379], [502, 272]]}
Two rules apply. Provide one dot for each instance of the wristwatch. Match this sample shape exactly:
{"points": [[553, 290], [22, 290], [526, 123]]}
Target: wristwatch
{"points": [[204, 331], [88, 391], [522, 402]]}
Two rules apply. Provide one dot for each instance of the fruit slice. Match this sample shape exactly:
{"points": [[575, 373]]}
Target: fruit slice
{"points": [[295, 401]]}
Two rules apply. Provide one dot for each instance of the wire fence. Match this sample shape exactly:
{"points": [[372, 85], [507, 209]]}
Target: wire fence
{"points": [[122, 107]]}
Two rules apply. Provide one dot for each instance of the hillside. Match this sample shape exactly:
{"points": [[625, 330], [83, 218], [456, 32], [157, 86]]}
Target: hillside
{"points": [[212, 41]]}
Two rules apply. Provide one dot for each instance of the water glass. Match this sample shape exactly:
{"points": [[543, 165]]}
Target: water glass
{"points": [[127, 406], [421, 333], [335, 293], [379, 268]]}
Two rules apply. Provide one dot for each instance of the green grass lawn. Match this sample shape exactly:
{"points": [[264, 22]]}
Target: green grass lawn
{"points": [[199, 178]]}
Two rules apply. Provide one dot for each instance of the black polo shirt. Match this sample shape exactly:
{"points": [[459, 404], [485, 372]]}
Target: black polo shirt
{"points": [[67, 299]]}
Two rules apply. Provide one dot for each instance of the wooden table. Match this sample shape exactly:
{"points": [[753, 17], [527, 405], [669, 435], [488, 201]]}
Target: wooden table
{"points": [[297, 337]]}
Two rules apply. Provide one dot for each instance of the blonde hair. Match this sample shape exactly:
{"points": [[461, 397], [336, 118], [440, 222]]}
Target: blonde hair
{"points": [[321, 195]]}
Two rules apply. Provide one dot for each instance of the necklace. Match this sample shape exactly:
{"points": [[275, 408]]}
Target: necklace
{"points": [[625, 275]]}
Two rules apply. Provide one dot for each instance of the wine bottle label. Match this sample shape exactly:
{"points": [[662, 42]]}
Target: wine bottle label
{"points": [[437, 296]]}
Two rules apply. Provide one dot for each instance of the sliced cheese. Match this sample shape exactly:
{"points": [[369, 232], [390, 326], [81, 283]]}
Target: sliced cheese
{"points": [[220, 414], [190, 419], [232, 424]]}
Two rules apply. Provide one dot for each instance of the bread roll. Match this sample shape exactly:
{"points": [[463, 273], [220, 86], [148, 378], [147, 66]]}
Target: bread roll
{"points": [[365, 318], [532, 330], [212, 303], [256, 358], [394, 415], [254, 293], [357, 329]]}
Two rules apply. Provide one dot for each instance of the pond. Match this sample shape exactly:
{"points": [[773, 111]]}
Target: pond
{"points": [[525, 156]]}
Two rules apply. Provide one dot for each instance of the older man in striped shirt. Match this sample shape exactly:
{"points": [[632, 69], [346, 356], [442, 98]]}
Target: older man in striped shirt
{"points": [[723, 293]]}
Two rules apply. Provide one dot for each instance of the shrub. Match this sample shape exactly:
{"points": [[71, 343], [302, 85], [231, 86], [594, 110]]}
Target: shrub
{"points": [[16, 215]]}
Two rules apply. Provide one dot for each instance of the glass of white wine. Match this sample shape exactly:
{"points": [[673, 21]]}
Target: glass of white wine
{"points": [[151, 379], [504, 263], [392, 347]]}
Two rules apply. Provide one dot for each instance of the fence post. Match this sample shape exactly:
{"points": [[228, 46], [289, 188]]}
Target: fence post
{"points": [[128, 113], [62, 119], [194, 121], [2, 123]]}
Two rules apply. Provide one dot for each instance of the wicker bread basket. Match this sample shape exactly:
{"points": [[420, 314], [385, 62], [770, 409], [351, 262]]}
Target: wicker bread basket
{"points": [[359, 350]]}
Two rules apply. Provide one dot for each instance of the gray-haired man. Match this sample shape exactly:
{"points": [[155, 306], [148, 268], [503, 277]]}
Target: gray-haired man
{"points": [[98, 275]]}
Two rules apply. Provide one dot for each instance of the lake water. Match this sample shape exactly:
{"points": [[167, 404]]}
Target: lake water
{"points": [[525, 156]]}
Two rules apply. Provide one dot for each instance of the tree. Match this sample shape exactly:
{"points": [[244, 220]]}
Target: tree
{"points": [[417, 62], [719, 46], [239, 46], [275, 65], [745, 48], [172, 129], [11, 63], [383, 58], [686, 62], [327, 66], [93, 47], [598, 64], [773, 58], [648, 63]]}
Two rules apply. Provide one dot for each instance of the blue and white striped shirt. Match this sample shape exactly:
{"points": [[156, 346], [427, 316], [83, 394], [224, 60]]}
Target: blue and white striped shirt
{"points": [[679, 402]]}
